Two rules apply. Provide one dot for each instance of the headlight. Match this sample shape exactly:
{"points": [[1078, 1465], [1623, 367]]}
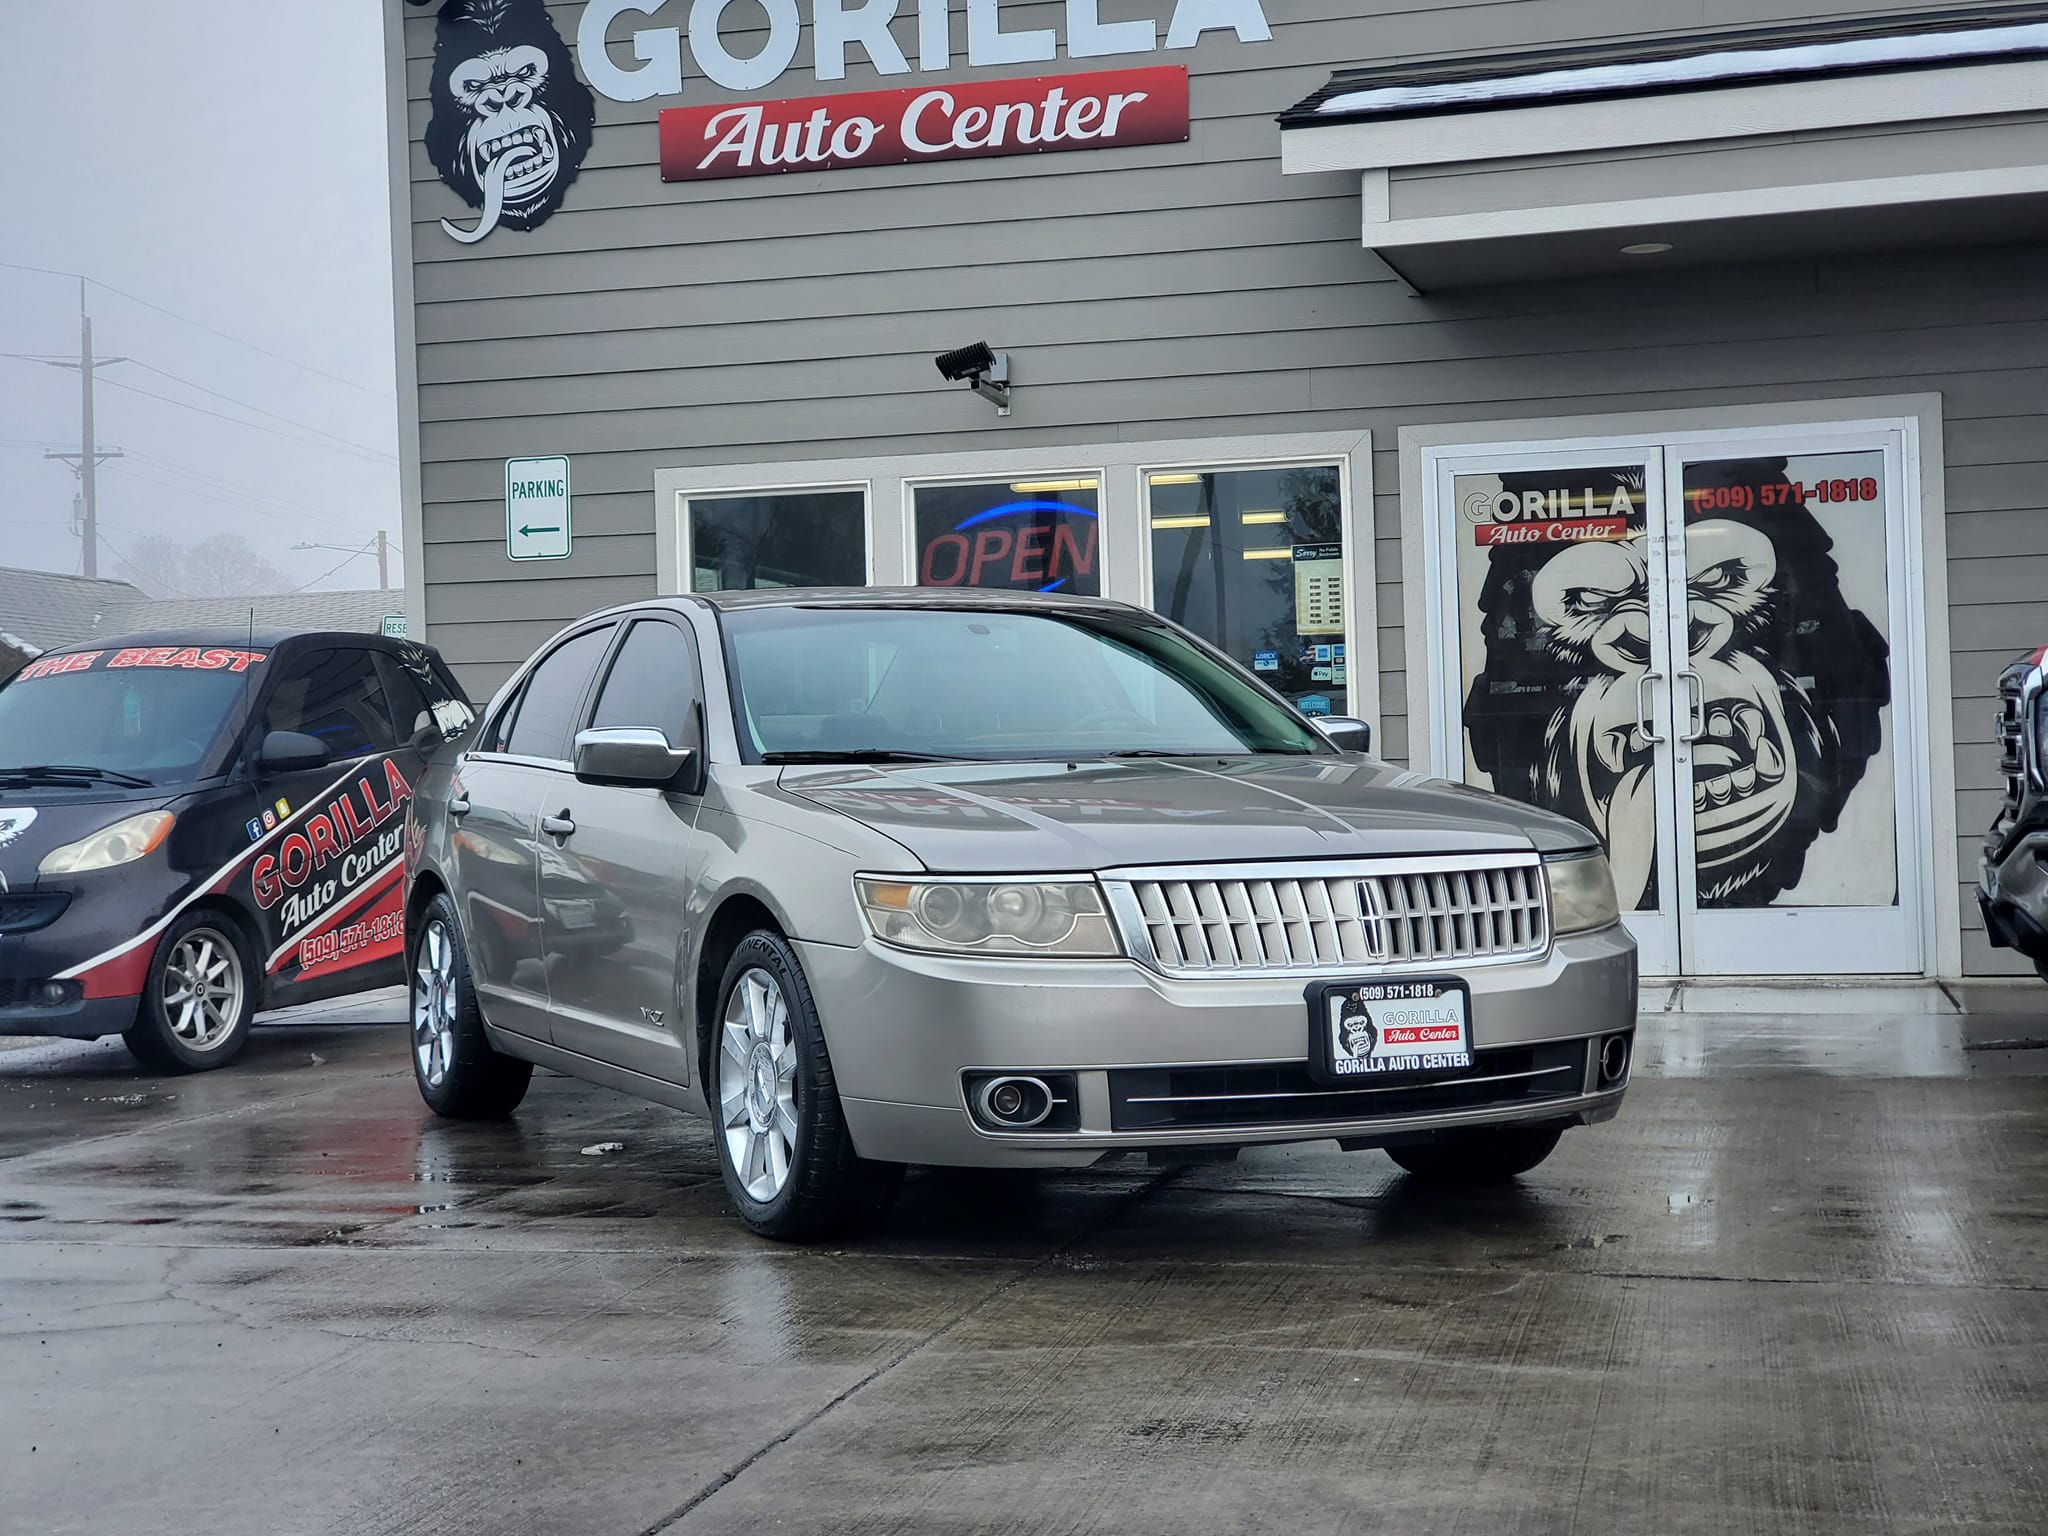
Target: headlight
{"points": [[1581, 893], [122, 843], [990, 917]]}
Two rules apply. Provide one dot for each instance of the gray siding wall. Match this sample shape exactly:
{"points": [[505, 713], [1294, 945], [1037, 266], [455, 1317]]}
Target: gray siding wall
{"points": [[1169, 292]]}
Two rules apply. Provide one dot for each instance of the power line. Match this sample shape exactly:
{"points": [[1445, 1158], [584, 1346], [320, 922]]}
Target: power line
{"points": [[254, 426], [350, 560], [219, 485], [306, 518], [349, 442], [135, 298]]}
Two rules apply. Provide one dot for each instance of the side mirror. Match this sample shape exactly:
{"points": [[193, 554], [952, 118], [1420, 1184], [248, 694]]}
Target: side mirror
{"points": [[291, 752], [629, 755], [1345, 733]]}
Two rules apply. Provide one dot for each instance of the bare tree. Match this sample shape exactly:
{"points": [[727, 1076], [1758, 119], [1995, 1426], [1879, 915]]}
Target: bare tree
{"points": [[221, 566], [155, 563], [225, 566]]}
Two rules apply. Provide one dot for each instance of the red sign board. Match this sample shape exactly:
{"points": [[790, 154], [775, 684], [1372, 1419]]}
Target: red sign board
{"points": [[953, 122]]}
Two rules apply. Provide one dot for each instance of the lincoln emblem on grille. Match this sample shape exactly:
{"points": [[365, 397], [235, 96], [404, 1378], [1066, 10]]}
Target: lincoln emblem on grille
{"points": [[1372, 919]]}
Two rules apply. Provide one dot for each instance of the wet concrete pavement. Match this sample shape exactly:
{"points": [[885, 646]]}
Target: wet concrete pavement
{"points": [[1801, 1285]]}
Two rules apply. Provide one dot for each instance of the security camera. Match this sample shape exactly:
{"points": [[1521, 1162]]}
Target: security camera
{"points": [[981, 368]]}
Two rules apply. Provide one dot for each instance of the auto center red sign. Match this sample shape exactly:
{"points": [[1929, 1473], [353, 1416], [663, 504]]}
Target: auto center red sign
{"points": [[973, 121]]}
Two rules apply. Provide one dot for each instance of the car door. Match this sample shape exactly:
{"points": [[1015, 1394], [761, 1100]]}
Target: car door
{"points": [[327, 880], [499, 864], [615, 925]]}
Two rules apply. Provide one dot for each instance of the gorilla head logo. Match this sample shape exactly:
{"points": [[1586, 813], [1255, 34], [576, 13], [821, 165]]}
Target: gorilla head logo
{"points": [[1794, 685], [511, 122], [1361, 1036]]}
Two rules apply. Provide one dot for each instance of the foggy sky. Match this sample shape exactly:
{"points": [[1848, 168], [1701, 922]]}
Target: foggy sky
{"points": [[226, 160]]}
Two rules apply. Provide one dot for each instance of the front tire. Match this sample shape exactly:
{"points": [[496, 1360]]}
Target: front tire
{"points": [[1486, 1155], [783, 1147], [199, 1000], [460, 1074]]}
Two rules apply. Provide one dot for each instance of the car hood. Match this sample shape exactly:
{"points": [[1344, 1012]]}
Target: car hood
{"points": [[995, 818]]}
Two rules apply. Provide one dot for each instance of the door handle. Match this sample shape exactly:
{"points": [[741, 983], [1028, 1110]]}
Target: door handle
{"points": [[558, 826], [458, 806], [1695, 705], [1646, 721]]}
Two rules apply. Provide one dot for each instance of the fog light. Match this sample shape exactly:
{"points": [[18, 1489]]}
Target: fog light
{"points": [[1613, 1060], [59, 994]]}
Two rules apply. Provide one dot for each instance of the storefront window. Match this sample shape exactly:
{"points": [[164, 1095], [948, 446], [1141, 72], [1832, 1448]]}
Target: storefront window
{"points": [[1039, 535], [1253, 561], [779, 539]]}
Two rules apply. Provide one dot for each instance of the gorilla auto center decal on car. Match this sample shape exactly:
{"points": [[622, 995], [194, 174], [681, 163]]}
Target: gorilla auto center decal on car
{"points": [[1785, 572], [329, 882]]}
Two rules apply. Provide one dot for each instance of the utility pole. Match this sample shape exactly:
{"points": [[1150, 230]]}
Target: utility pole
{"points": [[89, 457], [383, 564]]}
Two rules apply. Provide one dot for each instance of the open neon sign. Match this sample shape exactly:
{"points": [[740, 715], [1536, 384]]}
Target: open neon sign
{"points": [[1041, 546]]}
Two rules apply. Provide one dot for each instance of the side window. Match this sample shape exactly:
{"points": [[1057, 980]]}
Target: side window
{"points": [[426, 711], [546, 712], [336, 697], [653, 682]]}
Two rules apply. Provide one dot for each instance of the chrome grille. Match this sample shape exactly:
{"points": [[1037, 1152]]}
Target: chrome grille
{"points": [[1312, 918], [2012, 715]]}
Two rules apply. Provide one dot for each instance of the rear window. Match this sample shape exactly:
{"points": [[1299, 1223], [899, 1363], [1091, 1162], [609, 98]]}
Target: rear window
{"points": [[153, 712]]}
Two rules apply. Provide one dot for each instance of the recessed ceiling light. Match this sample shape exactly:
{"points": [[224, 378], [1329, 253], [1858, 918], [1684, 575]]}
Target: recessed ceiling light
{"points": [[1647, 248]]}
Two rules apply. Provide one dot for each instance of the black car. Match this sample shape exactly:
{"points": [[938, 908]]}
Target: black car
{"points": [[201, 824], [2012, 874]]}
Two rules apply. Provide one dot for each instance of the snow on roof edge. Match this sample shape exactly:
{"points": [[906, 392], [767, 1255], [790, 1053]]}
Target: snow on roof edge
{"points": [[1701, 69]]}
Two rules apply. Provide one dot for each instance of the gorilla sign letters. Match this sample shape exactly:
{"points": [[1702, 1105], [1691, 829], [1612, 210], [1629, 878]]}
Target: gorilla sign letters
{"points": [[1780, 668]]}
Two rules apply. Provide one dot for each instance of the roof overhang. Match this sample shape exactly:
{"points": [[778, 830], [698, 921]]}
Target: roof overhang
{"points": [[1766, 145]]}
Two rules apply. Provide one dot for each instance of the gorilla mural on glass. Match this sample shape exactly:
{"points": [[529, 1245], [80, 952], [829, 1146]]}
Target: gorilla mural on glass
{"points": [[511, 121], [1795, 678]]}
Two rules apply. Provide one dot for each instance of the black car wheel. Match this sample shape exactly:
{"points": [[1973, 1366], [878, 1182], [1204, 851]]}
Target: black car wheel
{"points": [[461, 1075], [1487, 1155], [783, 1147], [200, 997]]}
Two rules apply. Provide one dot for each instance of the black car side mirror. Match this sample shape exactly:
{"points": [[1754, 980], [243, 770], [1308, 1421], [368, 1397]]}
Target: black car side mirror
{"points": [[1345, 733], [630, 756], [291, 752]]}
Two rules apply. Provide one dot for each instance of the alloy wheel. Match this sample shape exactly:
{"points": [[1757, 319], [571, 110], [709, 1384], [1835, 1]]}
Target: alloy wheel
{"points": [[203, 989], [757, 1084], [433, 1004]]}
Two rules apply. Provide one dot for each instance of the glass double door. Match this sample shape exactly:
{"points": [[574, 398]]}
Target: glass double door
{"points": [[1693, 650]]}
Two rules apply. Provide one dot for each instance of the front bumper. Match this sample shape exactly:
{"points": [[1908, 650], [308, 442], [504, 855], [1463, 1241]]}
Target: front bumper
{"points": [[98, 919], [903, 1029], [2012, 893]]}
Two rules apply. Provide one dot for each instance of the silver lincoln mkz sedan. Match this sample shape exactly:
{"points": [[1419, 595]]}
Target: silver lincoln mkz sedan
{"points": [[878, 877]]}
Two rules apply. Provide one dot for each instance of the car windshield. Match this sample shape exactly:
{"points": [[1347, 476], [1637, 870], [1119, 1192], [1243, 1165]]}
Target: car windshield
{"points": [[153, 722], [903, 684]]}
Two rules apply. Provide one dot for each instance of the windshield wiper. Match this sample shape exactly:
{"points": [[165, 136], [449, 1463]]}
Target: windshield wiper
{"points": [[56, 773], [1190, 752], [863, 755]]}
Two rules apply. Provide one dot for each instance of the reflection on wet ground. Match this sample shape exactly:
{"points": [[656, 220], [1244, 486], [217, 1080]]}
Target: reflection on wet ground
{"points": [[1798, 1286]]}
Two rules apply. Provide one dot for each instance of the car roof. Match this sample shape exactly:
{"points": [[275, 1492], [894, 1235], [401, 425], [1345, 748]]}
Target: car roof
{"points": [[968, 599], [229, 636]]}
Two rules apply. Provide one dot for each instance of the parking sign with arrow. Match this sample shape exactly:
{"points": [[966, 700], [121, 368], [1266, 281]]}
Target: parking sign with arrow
{"points": [[537, 509]]}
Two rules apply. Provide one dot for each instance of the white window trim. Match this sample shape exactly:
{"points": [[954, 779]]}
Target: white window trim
{"points": [[1125, 548], [1925, 650]]}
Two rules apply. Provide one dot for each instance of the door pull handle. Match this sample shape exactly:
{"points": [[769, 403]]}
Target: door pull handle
{"points": [[558, 826], [1645, 720], [458, 806], [1695, 705]]}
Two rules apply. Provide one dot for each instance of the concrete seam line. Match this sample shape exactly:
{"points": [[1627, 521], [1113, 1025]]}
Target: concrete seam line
{"points": [[995, 1293]]}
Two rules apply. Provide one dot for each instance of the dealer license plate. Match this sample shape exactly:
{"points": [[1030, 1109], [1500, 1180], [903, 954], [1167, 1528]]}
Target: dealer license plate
{"points": [[1385, 1027]]}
